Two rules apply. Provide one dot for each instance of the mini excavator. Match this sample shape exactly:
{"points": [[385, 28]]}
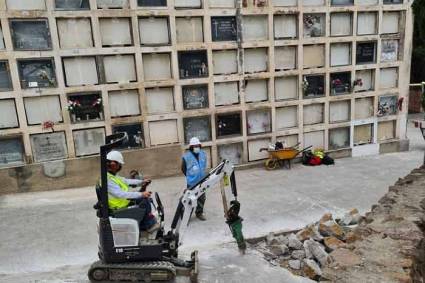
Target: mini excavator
{"points": [[127, 254]]}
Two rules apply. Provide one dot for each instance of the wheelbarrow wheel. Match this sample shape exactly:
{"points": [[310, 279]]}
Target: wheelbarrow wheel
{"points": [[271, 164]]}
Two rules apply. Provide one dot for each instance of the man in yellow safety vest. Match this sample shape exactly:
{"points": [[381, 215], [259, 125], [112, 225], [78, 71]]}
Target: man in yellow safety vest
{"points": [[119, 195]]}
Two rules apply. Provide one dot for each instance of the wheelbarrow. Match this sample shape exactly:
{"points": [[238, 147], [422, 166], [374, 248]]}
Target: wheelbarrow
{"points": [[278, 158]]}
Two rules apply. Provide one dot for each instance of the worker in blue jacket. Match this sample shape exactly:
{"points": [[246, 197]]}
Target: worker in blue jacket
{"points": [[194, 164]]}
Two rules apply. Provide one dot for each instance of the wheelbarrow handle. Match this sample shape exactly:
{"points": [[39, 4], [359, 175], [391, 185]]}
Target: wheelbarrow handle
{"points": [[307, 148]]}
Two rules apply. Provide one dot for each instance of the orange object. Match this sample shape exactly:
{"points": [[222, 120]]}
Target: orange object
{"points": [[286, 153]]}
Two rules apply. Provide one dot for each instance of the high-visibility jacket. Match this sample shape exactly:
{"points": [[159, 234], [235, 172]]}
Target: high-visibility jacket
{"points": [[195, 168], [114, 202]]}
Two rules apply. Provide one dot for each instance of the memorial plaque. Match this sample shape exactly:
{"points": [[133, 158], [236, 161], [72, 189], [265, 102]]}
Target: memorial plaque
{"points": [[11, 152], [195, 97], [86, 107], [152, 3], [72, 4], [199, 127], [258, 121], [365, 52], [51, 146], [340, 83], [389, 50], [37, 73], [5, 81], [223, 28], [193, 64], [339, 138], [387, 105], [314, 85], [231, 152], [30, 34], [228, 124], [88, 142], [135, 135]]}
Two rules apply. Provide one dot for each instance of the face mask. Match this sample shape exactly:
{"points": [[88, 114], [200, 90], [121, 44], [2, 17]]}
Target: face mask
{"points": [[196, 149]]}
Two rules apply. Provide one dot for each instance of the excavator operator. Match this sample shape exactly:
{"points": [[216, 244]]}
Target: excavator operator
{"points": [[120, 197]]}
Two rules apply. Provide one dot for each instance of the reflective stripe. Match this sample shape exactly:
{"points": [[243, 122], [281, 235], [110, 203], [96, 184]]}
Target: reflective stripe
{"points": [[117, 203], [195, 169]]}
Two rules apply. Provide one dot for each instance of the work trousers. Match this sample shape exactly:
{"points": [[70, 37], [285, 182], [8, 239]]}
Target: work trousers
{"points": [[148, 218]]}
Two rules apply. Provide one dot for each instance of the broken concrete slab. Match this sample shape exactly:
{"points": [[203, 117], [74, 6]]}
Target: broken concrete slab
{"points": [[332, 243], [317, 251], [298, 254], [311, 269], [331, 228], [294, 243], [294, 264], [279, 249], [310, 232]]}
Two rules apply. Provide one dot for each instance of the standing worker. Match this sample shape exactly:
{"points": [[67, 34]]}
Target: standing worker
{"points": [[194, 163], [120, 197]]}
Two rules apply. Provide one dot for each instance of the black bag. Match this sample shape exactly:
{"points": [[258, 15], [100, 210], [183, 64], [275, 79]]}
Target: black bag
{"points": [[278, 145], [327, 160], [307, 155]]}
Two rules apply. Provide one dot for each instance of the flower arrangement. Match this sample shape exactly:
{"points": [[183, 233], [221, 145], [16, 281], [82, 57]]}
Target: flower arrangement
{"points": [[305, 84], [336, 82], [97, 103], [358, 82], [73, 106], [48, 125]]}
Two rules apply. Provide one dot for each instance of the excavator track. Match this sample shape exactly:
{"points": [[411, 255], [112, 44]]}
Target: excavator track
{"points": [[132, 272]]}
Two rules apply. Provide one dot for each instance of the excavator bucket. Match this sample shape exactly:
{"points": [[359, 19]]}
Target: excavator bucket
{"points": [[235, 223]]}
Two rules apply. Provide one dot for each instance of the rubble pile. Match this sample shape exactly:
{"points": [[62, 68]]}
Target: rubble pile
{"points": [[307, 251], [386, 245]]}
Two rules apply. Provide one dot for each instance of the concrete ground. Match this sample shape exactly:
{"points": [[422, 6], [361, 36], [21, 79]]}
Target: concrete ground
{"points": [[51, 236]]}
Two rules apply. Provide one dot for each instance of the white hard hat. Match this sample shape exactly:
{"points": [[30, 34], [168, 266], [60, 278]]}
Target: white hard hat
{"points": [[194, 141], [115, 156]]}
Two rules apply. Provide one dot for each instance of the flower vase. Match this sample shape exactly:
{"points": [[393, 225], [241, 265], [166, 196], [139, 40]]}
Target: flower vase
{"points": [[73, 118], [101, 116]]}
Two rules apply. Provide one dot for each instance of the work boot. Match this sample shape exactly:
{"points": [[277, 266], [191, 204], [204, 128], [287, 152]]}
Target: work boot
{"points": [[201, 217]]}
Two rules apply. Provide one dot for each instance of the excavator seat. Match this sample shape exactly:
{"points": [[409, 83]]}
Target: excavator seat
{"points": [[133, 212]]}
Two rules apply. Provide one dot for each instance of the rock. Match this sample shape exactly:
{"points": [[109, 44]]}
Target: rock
{"points": [[294, 243], [298, 254], [311, 269], [310, 232], [333, 243], [356, 219], [346, 220], [307, 251], [345, 258], [283, 240], [351, 237], [271, 239], [279, 249], [318, 252], [294, 264], [351, 218], [326, 217], [331, 228]]}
